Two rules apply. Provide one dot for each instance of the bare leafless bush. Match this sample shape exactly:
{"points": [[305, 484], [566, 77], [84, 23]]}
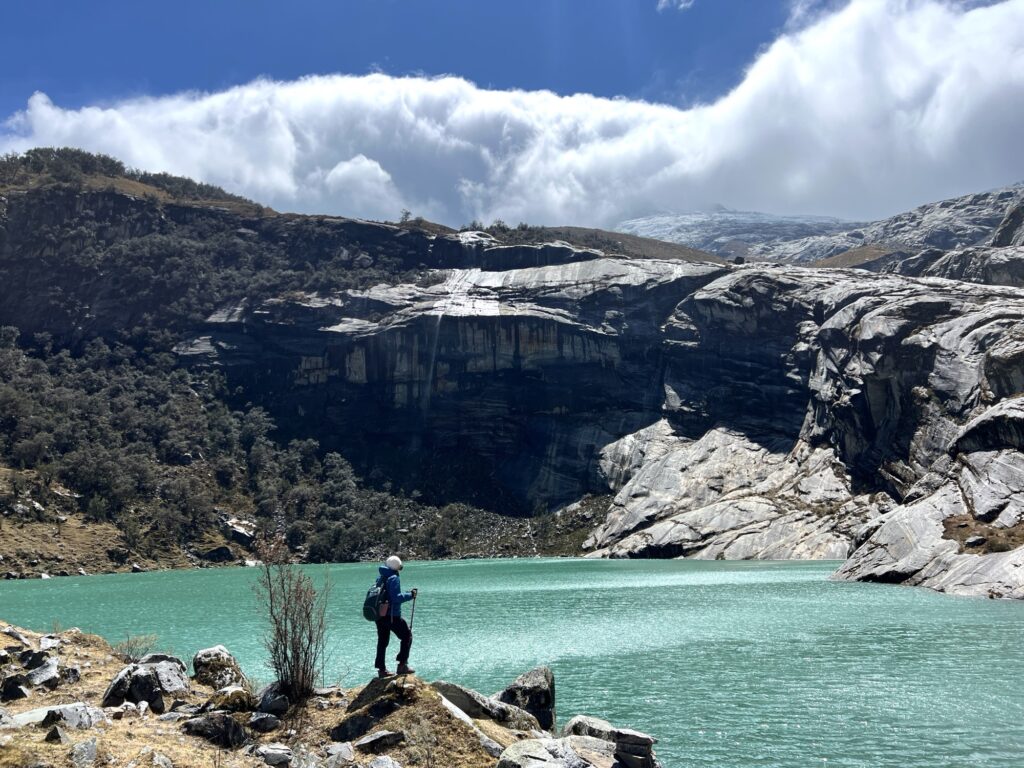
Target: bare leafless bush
{"points": [[296, 637], [134, 647]]}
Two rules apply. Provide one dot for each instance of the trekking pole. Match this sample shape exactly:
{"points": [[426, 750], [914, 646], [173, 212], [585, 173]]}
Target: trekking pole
{"points": [[412, 618]]}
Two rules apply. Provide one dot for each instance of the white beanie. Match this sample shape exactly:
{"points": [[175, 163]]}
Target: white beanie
{"points": [[394, 563]]}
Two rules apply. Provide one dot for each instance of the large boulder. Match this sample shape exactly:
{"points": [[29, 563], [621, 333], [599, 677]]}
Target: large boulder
{"points": [[534, 692], [79, 716], [217, 668], [567, 752], [233, 698], [147, 682], [632, 748], [478, 706]]}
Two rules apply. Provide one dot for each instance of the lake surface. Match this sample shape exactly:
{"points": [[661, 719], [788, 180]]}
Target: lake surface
{"points": [[727, 663]]}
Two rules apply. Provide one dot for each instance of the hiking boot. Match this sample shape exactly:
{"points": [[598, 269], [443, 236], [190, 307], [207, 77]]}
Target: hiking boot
{"points": [[405, 669], [385, 673]]}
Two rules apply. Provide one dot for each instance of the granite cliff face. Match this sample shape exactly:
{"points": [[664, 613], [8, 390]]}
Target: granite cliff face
{"points": [[744, 412]]}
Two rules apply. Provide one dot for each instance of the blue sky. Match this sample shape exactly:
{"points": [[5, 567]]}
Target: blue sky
{"points": [[81, 53], [548, 111]]}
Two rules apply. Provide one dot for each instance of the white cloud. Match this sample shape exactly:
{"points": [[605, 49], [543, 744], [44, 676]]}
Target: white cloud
{"points": [[679, 5], [861, 112]]}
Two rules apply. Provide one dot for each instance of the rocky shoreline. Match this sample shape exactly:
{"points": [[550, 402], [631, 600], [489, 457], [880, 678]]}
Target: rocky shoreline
{"points": [[69, 699]]}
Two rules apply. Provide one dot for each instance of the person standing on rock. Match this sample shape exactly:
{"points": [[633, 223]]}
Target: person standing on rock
{"points": [[390, 619]]}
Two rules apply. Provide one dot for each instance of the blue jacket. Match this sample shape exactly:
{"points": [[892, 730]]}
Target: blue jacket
{"points": [[394, 588]]}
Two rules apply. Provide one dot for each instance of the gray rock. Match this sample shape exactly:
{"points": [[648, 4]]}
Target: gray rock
{"points": [[384, 761], [16, 635], [477, 706], [83, 754], [975, 541], [233, 698], [567, 752], [263, 722], [49, 642], [378, 740], [33, 659], [533, 692], [272, 700], [340, 755], [79, 716], [218, 728], [161, 761], [217, 668], [147, 682], [274, 754], [490, 745], [47, 674]]}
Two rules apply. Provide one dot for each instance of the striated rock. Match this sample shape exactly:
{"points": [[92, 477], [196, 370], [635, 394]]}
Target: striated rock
{"points": [[477, 706], [979, 264], [217, 668], [534, 692], [379, 740]]}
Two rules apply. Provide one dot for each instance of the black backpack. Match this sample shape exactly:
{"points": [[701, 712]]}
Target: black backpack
{"points": [[376, 595]]}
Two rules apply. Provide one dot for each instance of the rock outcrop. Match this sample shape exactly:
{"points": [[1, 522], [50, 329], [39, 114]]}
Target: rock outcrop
{"points": [[750, 412]]}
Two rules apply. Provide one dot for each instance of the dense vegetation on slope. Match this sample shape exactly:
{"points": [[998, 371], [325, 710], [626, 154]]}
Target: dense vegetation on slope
{"points": [[97, 285]]}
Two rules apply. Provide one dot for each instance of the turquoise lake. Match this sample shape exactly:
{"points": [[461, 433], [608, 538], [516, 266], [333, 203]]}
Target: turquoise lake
{"points": [[727, 663]]}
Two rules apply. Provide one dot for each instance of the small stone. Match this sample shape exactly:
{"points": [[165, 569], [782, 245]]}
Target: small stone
{"points": [[57, 735], [274, 754], [378, 740], [341, 754], [83, 754], [975, 541], [263, 722]]}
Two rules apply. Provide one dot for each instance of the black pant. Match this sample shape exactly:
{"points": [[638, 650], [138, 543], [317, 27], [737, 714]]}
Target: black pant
{"points": [[385, 626]]}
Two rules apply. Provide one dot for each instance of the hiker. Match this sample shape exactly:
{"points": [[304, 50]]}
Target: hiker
{"points": [[389, 619]]}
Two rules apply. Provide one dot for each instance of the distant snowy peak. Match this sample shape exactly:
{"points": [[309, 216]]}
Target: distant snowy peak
{"points": [[732, 233], [947, 224]]}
